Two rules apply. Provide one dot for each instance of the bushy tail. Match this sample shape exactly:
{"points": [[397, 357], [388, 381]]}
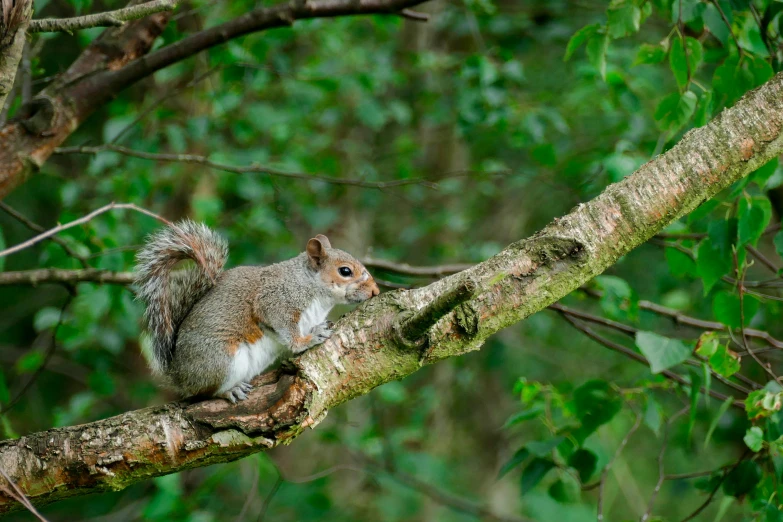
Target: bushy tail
{"points": [[171, 295]]}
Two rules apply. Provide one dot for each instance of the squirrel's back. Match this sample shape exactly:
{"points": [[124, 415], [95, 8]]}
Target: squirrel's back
{"points": [[169, 295]]}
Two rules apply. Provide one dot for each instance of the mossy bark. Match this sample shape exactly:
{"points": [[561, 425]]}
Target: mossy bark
{"points": [[371, 346]]}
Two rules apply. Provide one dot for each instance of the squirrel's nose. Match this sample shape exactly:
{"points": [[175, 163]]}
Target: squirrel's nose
{"points": [[375, 290]]}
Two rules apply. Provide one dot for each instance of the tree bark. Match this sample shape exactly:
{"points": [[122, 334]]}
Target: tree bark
{"points": [[120, 58], [395, 334], [14, 18]]}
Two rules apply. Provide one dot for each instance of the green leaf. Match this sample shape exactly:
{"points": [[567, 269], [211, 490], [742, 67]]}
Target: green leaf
{"points": [[724, 407], [678, 63], [545, 447], [714, 253], [565, 489], [597, 47], [518, 458], [584, 462], [522, 416], [754, 215], [754, 438], [534, 472], [763, 173], [742, 479], [726, 308], [724, 361], [619, 301], [29, 362], [749, 35], [684, 59], [704, 111], [680, 263], [763, 403], [708, 343], [595, 404], [661, 352], [675, 110], [623, 19], [579, 38], [649, 54]]}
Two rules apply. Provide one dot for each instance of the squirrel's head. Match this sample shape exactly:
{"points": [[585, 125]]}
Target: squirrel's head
{"points": [[345, 277]]}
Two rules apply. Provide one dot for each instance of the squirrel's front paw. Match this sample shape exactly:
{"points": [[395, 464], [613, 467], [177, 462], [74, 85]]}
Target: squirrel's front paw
{"points": [[321, 332], [237, 393]]}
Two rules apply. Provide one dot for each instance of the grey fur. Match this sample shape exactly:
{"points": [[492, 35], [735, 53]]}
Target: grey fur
{"points": [[211, 313], [170, 296]]}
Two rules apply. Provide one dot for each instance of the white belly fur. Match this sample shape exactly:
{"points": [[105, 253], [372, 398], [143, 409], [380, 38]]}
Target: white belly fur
{"points": [[252, 359], [313, 315]]}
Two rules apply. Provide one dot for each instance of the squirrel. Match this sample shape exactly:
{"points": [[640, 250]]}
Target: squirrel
{"points": [[214, 330]]}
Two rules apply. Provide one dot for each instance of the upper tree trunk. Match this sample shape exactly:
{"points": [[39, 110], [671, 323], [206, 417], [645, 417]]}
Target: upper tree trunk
{"points": [[393, 335]]}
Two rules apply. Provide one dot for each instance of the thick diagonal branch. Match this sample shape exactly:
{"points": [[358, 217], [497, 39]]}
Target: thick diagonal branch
{"points": [[365, 350]]}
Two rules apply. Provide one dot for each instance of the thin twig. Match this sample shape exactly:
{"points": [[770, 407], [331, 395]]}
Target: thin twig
{"points": [[269, 496], [51, 232], [641, 359], [714, 491], [35, 227], [17, 494], [605, 472], [764, 260], [107, 19], [631, 331], [728, 25], [745, 344], [661, 454], [416, 16], [243, 169], [49, 353], [406, 269], [454, 502], [161, 99]]}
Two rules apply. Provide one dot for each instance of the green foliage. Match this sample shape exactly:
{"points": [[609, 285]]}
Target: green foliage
{"points": [[516, 111], [662, 352]]}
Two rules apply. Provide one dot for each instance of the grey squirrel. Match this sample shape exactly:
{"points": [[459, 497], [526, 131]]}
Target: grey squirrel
{"points": [[214, 330]]}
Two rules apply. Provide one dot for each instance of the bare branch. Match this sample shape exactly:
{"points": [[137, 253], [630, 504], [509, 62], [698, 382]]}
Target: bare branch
{"points": [[106, 19], [66, 277], [203, 160], [80, 221], [35, 227]]}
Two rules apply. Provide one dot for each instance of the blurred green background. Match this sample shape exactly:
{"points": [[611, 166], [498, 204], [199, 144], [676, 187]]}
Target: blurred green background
{"points": [[481, 102]]}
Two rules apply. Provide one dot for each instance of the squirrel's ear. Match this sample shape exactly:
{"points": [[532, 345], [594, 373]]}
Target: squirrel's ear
{"points": [[324, 240], [316, 251]]}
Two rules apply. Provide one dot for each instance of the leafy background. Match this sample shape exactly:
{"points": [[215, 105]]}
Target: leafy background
{"points": [[516, 112]]}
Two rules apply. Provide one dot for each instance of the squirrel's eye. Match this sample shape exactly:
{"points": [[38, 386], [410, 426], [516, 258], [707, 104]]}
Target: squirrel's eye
{"points": [[345, 271]]}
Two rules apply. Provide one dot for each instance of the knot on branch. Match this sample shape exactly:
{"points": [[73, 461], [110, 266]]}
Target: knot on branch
{"points": [[413, 327], [37, 116]]}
